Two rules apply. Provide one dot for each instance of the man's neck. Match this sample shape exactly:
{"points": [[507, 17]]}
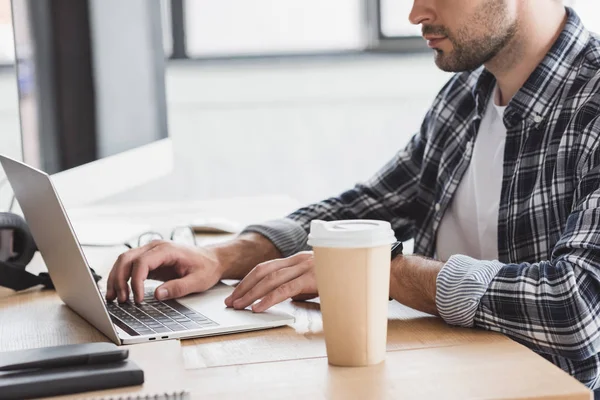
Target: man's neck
{"points": [[535, 36]]}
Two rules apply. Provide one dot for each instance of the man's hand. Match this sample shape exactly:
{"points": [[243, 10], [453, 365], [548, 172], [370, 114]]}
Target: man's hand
{"points": [[184, 269], [275, 281]]}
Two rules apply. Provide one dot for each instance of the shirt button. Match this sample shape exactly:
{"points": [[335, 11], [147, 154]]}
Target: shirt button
{"points": [[537, 119], [437, 207]]}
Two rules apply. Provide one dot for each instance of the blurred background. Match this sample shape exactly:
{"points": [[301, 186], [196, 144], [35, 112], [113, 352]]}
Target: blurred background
{"points": [[296, 97]]}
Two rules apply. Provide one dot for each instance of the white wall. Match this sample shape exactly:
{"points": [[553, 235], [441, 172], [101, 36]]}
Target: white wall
{"points": [[307, 129]]}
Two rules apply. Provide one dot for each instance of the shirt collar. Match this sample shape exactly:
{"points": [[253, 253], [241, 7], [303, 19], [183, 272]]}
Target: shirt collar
{"points": [[535, 99]]}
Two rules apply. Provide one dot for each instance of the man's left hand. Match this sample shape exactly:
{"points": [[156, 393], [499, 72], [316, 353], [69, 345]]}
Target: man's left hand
{"points": [[275, 281]]}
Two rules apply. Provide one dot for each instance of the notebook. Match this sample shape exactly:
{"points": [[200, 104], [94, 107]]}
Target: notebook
{"points": [[180, 395], [33, 383]]}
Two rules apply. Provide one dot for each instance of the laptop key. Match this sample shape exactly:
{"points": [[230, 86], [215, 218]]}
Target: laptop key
{"points": [[179, 307], [164, 308], [197, 317], [162, 329], [153, 313], [175, 327], [123, 326], [190, 325]]}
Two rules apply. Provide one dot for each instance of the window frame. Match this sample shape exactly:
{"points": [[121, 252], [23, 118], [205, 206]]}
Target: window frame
{"points": [[381, 43], [375, 40]]}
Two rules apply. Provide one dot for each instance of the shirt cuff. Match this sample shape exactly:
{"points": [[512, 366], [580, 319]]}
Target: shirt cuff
{"points": [[460, 285], [287, 235]]}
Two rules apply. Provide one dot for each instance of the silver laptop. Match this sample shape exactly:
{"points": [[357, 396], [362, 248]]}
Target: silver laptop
{"points": [[196, 315]]}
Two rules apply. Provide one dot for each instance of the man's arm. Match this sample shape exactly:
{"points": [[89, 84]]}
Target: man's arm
{"points": [[413, 282], [552, 306], [238, 257]]}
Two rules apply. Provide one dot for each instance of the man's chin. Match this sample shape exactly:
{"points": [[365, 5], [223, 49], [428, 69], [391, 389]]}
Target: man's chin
{"points": [[442, 61], [448, 64]]}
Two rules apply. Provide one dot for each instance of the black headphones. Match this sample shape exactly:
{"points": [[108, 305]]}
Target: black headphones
{"points": [[21, 248]]}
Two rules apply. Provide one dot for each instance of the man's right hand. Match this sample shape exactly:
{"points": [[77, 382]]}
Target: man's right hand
{"points": [[184, 270]]}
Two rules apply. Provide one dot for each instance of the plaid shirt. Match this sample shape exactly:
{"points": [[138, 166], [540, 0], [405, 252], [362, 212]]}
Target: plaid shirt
{"points": [[544, 289]]}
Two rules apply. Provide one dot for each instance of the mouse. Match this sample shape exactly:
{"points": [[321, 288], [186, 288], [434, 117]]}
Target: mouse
{"points": [[215, 225]]}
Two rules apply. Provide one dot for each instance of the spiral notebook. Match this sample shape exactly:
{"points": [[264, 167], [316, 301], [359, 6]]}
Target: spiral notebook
{"points": [[179, 395]]}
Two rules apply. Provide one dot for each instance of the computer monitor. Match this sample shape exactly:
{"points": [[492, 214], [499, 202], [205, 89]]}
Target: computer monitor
{"points": [[92, 94]]}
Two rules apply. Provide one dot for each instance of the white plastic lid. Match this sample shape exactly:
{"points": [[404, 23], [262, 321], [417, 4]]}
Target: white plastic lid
{"points": [[356, 233]]}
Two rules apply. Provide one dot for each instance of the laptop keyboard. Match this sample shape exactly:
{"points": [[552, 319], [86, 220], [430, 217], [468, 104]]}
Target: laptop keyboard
{"points": [[153, 316]]}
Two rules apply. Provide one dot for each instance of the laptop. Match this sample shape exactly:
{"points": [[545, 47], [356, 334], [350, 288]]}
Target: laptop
{"points": [[196, 315]]}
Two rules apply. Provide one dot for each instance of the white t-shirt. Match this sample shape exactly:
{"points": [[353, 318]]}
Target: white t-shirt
{"points": [[470, 224]]}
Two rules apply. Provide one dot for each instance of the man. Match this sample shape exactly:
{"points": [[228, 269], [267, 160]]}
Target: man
{"points": [[501, 185]]}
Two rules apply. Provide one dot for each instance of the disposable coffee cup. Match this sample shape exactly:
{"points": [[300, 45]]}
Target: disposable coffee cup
{"points": [[352, 264]]}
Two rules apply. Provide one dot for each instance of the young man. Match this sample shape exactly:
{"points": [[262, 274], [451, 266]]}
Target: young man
{"points": [[501, 184]]}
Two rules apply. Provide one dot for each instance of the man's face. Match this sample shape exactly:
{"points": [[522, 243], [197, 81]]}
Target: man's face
{"points": [[465, 34]]}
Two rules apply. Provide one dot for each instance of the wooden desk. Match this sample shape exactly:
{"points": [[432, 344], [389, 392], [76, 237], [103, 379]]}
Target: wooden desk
{"points": [[427, 359]]}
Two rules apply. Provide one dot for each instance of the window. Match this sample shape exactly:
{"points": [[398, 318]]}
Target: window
{"points": [[7, 49], [394, 19], [250, 27]]}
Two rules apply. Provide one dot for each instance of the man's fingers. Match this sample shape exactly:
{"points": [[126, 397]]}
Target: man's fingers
{"points": [[268, 284], [177, 287], [116, 284], [304, 296], [152, 259], [255, 276], [282, 293], [111, 289], [111, 294], [139, 273], [121, 273], [163, 273]]}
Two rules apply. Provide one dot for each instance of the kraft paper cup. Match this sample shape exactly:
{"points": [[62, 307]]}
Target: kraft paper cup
{"points": [[352, 264]]}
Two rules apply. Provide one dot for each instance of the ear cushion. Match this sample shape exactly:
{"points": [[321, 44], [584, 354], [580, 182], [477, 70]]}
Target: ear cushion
{"points": [[24, 245]]}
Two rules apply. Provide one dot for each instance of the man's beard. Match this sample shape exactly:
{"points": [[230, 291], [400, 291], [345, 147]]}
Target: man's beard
{"points": [[470, 49]]}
